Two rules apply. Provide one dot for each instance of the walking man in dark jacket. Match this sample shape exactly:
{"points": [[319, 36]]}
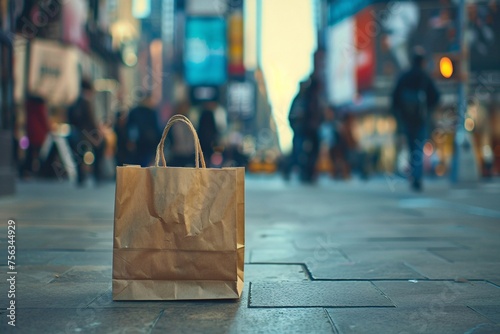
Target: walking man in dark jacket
{"points": [[413, 100]]}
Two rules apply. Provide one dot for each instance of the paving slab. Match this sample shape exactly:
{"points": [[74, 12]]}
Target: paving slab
{"points": [[413, 238], [220, 319], [39, 273], [317, 294], [53, 295], [492, 312], [460, 206], [312, 243], [217, 316], [442, 270], [83, 274], [479, 244], [469, 255], [95, 258], [105, 300], [393, 255], [33, 257], [296, 256], [74, 245], [373, 270], [368, 229], [274, 272], [445, 320], [440, 293], [271, 242], [83, 320]]}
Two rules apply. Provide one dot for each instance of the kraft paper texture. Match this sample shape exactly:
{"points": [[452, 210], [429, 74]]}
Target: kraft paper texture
{"points": [[178, 233]]}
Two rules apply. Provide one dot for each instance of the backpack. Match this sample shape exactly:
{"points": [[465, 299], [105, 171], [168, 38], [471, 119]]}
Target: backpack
{"points": [[414, 105]]}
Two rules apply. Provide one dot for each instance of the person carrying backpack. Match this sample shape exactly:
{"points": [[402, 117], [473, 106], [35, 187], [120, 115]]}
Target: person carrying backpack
{"points": [[413, 100]]}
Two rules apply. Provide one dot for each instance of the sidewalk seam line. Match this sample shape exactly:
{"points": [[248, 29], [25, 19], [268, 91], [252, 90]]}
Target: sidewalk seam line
{"points": [[156, 320], [412, 268], [303, 265], [332, 323], [249, 294], [383, 294]]}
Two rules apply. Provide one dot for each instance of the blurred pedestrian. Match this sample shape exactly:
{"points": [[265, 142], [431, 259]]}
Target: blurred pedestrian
{"points": [[296, 118], [208, 130], [143, 132], [37, 129], [344, 145], [314, 116], [120, 128], [332, 122], [305, 117], [86, 137], [413, 100]]}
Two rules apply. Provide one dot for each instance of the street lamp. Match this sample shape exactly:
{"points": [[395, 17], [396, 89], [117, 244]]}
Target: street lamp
{"points": [[464, 166]]}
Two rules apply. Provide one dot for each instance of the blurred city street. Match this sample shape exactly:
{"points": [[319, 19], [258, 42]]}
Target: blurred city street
{"points": [[337, 257], [367, 131]]}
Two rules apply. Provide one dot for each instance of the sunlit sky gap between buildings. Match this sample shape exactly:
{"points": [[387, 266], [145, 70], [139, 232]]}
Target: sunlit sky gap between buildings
{"points": [[288, 43]]}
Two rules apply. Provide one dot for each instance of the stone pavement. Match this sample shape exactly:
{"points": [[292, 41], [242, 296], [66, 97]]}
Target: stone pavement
{"points": [[338, 257]]}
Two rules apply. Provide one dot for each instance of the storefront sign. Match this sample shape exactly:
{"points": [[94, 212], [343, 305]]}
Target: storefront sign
{"points": [[53, 73]]}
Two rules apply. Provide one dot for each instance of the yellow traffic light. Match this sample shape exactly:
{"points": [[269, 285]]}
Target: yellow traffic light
{"points": [[446, 67]]}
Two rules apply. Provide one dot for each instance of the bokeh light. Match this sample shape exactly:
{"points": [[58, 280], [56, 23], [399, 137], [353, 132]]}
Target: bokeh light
{"points": [[446, 67], [469, 124], [428, 149], [24, 142], [64, 129], [216, 159], [88, 158]]}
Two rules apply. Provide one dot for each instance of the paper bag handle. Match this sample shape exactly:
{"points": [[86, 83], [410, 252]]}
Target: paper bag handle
{"points": [[197, 146]]}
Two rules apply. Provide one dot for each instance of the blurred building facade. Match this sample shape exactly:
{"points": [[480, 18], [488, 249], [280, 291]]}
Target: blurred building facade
{"points": [[182, 52], [55, 44], [7, 108], [61, 42]]}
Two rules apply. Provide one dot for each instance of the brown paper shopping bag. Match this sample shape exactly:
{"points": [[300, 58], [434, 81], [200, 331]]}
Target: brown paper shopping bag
{"points": [[178, 232]]}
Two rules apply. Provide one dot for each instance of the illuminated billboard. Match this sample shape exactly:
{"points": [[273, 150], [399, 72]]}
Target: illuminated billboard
{"points": [[205, 51]]}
